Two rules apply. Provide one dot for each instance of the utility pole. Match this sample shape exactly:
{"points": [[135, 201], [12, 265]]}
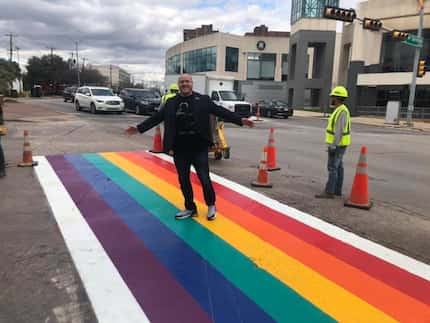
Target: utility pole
{"points": [[414, 73], [53, 76], [52, 52], [77, 63], [10, 45]]}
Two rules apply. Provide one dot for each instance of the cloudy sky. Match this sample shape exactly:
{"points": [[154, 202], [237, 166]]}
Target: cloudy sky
{"points": [[131, 33]]}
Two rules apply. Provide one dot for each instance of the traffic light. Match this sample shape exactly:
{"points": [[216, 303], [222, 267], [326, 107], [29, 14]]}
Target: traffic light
{"points": [[400, 35], [372, 24], [347, 15], [421, 68]]}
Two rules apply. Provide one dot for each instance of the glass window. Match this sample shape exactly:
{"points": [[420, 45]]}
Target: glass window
{"points": [[200, 60], [231, 59], [174, 64], [102, 92], [261, 66], [215, 96], [145, 94], [284, 67], [228, 96], [399, 57], [310, 8]]}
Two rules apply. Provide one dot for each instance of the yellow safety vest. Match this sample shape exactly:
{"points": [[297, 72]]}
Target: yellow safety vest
{"points": [[166, 97], [332, 123]]}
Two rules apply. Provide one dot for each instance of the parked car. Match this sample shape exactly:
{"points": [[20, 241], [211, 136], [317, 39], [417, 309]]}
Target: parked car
{"points": [[284, 104], [273, 108], [96, 99], [140, 101], [69, 93]]}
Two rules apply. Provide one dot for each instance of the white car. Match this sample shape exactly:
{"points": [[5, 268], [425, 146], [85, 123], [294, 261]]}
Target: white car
{"points": [[97, 98]]}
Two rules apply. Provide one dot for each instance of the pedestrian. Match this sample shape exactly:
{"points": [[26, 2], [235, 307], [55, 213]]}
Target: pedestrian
{"points": [[338, 138], [187, 134]]}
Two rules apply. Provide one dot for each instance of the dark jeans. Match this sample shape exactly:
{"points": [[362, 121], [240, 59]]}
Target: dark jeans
{"points": [[335, 171], [2, 161], [183, 162]]}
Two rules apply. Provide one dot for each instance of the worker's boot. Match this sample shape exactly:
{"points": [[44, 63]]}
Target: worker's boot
{"points": [[325, 195]]}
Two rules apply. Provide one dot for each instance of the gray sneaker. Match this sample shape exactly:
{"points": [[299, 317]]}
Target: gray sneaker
{"points": [[211, 212], [185, 214]]}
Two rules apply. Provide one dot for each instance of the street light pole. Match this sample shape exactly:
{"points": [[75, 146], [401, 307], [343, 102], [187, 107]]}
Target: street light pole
{"points": [[77, 63], [414, 73]]}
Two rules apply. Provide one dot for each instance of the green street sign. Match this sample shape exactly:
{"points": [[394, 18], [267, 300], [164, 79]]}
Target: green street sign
{"points": [[414, 40]]}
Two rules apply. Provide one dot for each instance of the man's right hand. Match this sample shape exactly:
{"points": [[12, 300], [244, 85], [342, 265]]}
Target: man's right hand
{"points": [[131, 131], [247, 122]]}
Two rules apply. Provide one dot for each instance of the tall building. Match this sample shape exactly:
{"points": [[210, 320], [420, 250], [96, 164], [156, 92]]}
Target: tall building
{"points": [[257, 60], [312, 54], [377, 68], [301, 65], [116, 76]]}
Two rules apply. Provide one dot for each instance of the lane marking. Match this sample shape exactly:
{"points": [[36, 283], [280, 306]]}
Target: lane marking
{"points": [[110, 297], [396, 258]]}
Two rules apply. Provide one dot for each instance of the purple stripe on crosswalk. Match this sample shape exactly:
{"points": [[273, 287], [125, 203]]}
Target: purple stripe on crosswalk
{"points": [[158, 293]]}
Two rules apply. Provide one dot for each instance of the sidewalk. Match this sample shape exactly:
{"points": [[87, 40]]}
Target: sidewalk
{"points": [[24, 112], [370, 120], [39, 282]]}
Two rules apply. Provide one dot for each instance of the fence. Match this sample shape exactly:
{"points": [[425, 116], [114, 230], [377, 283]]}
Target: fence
{"points": [[419, 113]]}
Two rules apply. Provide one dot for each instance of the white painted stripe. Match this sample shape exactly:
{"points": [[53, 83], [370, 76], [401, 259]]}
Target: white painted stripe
{"points": [[400, 260], [109, 295]]}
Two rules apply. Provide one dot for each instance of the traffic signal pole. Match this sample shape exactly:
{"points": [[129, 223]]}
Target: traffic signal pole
{"points": [[414, 73]]}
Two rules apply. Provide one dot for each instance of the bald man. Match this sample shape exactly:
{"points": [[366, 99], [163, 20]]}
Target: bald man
{"points": [[187, 134]]}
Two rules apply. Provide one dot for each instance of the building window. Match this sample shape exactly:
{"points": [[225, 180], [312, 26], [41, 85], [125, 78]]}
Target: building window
{"points": [[310, 8], [200, 60], [284, 67], [174, 64], [231, 59], [399, 57], [261, 66]]}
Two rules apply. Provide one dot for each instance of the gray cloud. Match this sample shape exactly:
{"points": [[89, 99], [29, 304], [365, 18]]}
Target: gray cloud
{"points": [[133, 33]]}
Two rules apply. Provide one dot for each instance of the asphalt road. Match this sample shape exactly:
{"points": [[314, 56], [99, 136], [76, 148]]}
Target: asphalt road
{"points": [[39, 282], [398, 159]]}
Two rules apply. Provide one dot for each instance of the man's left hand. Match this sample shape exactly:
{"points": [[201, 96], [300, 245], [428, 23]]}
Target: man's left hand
{"points": [[131, 131], [247, 122]]}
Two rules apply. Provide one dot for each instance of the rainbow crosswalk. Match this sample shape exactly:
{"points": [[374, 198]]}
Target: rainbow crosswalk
{"points": [[260, 261]]}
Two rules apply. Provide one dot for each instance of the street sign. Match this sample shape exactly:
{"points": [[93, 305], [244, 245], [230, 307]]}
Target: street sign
{"points": [[414, 40]]}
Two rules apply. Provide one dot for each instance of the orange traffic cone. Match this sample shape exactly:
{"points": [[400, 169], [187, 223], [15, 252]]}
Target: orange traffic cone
{"points": [[157, 146], [271, 152], [263, 176], [27, 156], [359, 197]]}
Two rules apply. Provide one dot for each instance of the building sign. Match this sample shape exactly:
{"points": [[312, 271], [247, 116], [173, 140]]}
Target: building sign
{"points": [[261, 45]]}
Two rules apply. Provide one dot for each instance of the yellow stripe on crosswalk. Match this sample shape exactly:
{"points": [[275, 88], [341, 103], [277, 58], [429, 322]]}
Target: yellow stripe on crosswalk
{"points": [[334, 300]]}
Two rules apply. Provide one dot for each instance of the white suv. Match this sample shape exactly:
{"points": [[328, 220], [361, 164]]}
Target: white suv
{"points": [[97, 99]]}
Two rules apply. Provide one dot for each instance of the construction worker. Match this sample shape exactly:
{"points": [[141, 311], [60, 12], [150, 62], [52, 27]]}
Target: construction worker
{"points": [[338, 138], [173, 90]]}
